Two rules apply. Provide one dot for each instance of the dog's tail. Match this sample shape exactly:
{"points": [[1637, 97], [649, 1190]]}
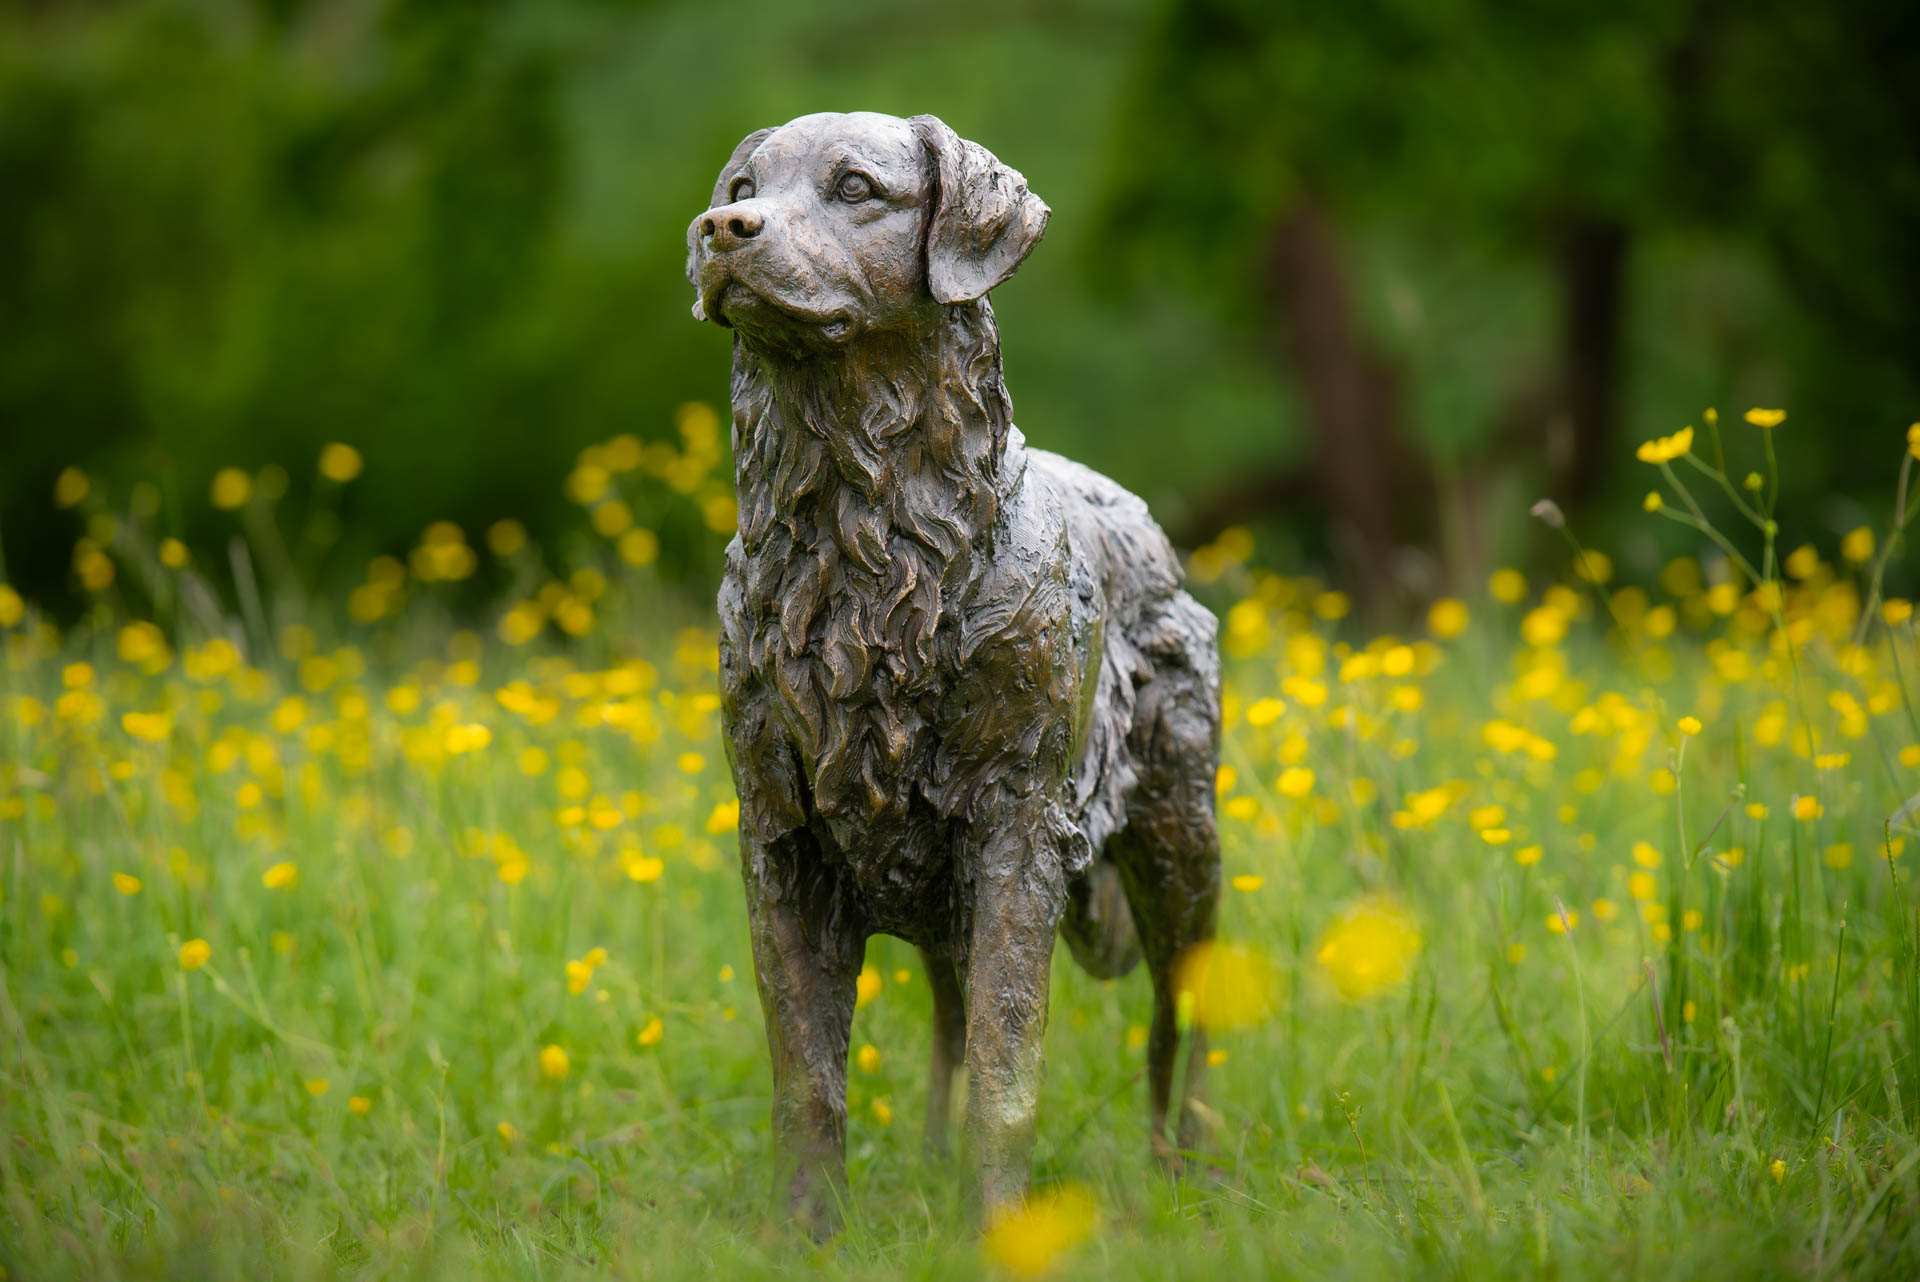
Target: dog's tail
{"points": [[1098, 925]]}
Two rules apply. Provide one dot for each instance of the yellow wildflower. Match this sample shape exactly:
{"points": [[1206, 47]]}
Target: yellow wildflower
{"points": [[1225, 985], [1027, 1241], [1766, 418], [1265, 712], [651, 1032], [280, 876], [194, 954], [1509, 587], [1543, 626], [126, 883], [504, 538], [69, 487], [1665, 449], [724, 819], [1447, 618], [339, 462], [231, 489], [866, 987], [639, 547], [579, 975], [1368, 948], [1857, 546], [554, 1064]]}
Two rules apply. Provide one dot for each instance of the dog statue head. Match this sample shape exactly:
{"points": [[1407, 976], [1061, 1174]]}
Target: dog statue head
{"points": [[838, 225]]}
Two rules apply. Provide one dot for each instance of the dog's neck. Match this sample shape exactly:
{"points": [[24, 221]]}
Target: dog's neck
{"points": [[890, 435], [870, 481]]}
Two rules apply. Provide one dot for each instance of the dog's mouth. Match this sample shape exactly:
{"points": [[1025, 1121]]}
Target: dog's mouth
{"points": [[740, 307]]}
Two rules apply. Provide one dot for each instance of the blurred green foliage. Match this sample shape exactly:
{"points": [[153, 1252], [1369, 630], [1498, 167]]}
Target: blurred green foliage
{"points": [[453, 234]]}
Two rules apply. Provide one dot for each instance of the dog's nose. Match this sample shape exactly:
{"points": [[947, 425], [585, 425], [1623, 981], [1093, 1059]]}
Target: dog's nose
{"points": [[730, 225]]}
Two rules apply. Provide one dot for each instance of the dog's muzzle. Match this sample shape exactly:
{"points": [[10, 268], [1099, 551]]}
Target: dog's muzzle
{"points": [[728, 254]]}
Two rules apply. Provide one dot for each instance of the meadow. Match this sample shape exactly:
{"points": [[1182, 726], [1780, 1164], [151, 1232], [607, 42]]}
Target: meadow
{"points": [[1567, 934]]}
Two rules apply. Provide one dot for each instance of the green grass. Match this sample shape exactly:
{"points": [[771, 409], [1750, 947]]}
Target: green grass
{"points": [[1654, 1094]]}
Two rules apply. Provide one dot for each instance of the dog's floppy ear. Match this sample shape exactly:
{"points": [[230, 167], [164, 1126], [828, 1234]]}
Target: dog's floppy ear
{"points": [[983, 221], [735, 163], [728, 172]]}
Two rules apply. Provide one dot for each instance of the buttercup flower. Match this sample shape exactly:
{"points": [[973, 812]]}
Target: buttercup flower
{"points": [[1665, 449], [1368, 948], [339, 462], [1027, 1241]]}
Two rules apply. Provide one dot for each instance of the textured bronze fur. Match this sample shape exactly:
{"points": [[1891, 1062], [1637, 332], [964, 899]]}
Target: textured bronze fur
{"points": [[966, 701]]}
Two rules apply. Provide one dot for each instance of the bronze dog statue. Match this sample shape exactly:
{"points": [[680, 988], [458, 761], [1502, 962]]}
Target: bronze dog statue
{"points": [[966, 701]]}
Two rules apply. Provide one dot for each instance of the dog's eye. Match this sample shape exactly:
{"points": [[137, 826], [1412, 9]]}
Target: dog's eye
{"points": [[854, 188], [742, 189]]}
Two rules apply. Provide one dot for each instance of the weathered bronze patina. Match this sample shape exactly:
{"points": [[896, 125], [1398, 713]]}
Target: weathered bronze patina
{"points": [[966, 701]]}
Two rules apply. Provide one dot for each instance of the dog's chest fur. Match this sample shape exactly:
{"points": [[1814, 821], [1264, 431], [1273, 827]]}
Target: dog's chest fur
{"points": [[907, 624]]}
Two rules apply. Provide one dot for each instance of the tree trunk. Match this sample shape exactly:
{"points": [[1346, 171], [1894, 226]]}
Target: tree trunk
{"points": [[1373, 483], [1592, 262]]}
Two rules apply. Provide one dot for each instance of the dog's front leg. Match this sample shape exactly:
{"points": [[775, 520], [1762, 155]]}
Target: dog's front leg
{"points": [[807, 947], [1018, 894]]}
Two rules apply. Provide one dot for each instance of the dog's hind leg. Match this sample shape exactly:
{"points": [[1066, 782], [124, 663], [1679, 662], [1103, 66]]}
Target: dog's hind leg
{"points": [[1175, 902], [1169, 852], [1098, 925], [949, 1047]]}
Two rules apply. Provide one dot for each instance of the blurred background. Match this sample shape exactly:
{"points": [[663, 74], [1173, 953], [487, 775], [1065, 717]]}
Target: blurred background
{"points": [[1365, 276]]}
